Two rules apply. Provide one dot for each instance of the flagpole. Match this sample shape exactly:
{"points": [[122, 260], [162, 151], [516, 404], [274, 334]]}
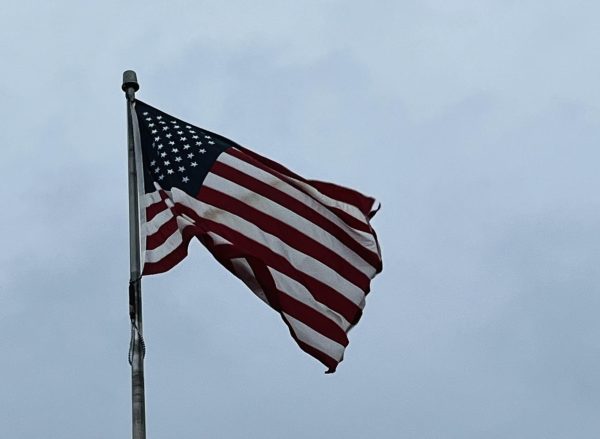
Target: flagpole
{"points": [[137, 349]]}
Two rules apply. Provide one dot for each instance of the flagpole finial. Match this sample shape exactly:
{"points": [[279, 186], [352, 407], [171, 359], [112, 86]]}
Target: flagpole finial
{"points": [[130, 81], [130, 85]]}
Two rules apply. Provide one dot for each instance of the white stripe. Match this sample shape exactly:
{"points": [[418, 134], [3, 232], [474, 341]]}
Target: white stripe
{"points": [[297, 259], [299, 292], [150, 198], [316, 340], [246, 274], [160, 219], [170, 244], [365, 239], [166, 248], [294, 220]]}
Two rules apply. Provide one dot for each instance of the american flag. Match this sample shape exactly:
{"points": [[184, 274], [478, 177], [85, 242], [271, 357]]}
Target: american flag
{"points": [[304, 247]]}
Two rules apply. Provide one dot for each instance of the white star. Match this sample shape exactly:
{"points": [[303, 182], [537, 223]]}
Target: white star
{"points": [[153, 162], [161, 177], [162, 122], [190, 155], [175, 126], [156, 139], [165, 128], [202, 150], [174, 150], [194, 137], [154, 131], [198, 143], [192, 131], [186, 146], [163, 154], [168, 136], [169, 171], [177, 159], [207, 137], [157, 170], [171, 143], [150, 125], [183, 139], [180, 132], [159, 117], [194, 164], [188, 127], [148, 118], [167, 163], [160, 146], [211, 142], [181, 169], [145, 113], [185, 179], [173, 121]]}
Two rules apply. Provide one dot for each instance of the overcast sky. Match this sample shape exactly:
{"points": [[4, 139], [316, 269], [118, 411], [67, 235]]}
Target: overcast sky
{"points": [[475, 123]]}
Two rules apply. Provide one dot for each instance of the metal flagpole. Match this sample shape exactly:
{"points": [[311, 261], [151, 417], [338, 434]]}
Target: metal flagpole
{"points": [[137, 348]]}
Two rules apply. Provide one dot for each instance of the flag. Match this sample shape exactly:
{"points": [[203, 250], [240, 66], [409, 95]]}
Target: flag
{"points": [[304, 247]]}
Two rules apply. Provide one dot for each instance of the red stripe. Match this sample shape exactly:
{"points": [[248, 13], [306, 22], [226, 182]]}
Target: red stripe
{"points": [[291, 203], [155, 209], [341, 193], [346, 195], [173, 258], [223, 253], [312, 318], [261, 272], [162, 234], [248, 158], [320, 291], [287, 234], [246, 154], [329, 362], [350, 220]]}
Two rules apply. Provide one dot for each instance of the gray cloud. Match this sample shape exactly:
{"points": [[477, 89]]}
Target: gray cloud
{"points": [[475, 125]]}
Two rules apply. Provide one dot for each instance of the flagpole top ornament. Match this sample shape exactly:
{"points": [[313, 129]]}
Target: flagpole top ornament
{"points": [[130, 82]]}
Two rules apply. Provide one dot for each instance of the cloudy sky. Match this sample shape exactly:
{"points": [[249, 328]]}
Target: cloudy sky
{"points": [[474, 122]]}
